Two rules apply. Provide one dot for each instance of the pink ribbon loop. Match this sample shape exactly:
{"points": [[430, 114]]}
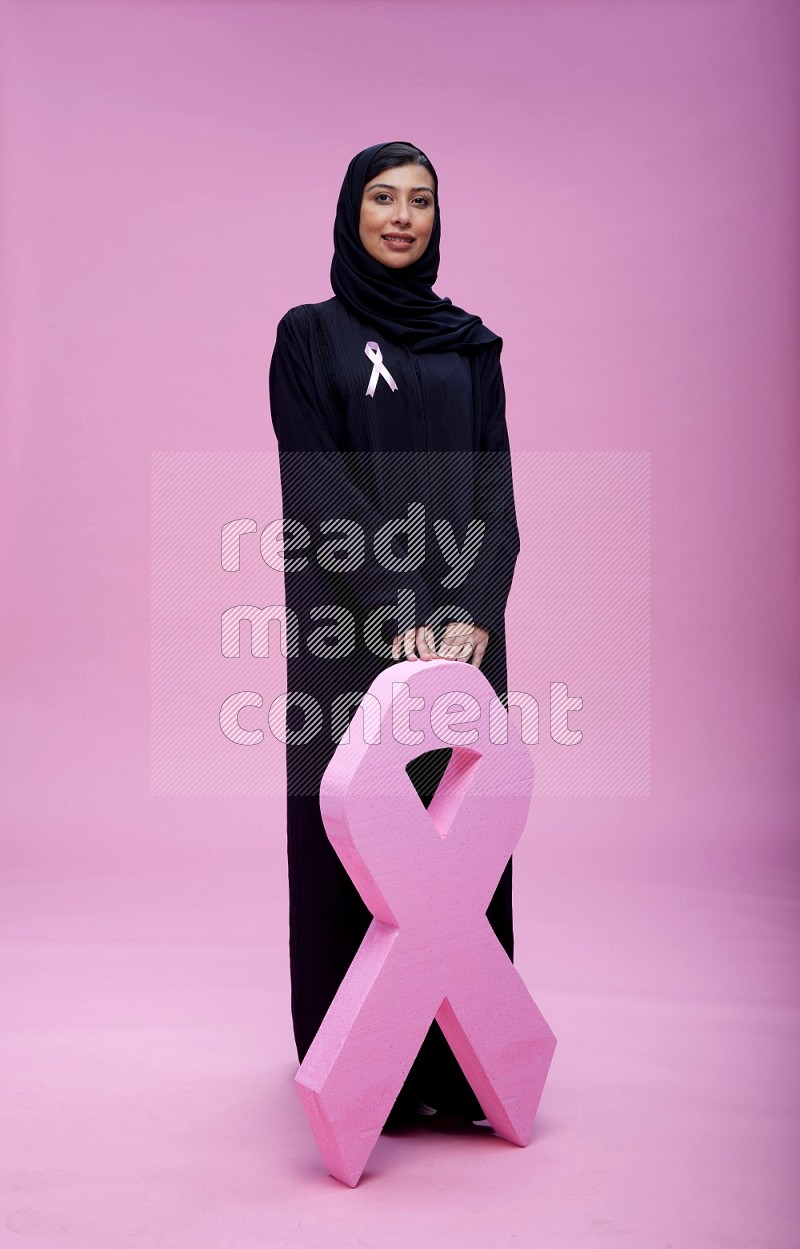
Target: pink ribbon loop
{"points": [[374, 354]]}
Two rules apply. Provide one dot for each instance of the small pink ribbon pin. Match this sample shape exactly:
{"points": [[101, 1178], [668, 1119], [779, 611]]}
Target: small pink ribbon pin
{"points": [[374, 354]]}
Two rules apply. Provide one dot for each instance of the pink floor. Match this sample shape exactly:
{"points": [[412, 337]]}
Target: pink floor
{"points": [[148, 1095]]}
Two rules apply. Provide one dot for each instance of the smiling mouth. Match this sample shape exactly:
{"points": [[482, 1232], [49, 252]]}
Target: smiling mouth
{"points": [[398, 238]]}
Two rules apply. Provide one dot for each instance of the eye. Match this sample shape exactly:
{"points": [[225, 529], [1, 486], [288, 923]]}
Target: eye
{"points": [[381, 196], [423, 201]]}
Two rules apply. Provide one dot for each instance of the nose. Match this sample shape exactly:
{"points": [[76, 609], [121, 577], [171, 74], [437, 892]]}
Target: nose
{"points": [[401, 214]]}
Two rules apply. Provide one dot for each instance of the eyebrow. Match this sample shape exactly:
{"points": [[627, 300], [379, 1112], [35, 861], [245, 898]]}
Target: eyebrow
{"points": [[390, 187]]}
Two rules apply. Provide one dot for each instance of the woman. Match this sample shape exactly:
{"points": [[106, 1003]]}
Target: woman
{"points": [[384, 400]]}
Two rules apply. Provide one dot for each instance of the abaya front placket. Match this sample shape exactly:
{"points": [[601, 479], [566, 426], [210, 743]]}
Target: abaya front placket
{"points": [[422, 413]]}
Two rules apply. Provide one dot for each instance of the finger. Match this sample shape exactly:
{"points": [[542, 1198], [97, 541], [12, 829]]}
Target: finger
{"points": [[408, 642], [396, 646], [478, 653], [425, 643], [467, 651], [449, 644]]}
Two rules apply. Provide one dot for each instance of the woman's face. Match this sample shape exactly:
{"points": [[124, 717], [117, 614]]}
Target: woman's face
{"points": [[397, 212]]}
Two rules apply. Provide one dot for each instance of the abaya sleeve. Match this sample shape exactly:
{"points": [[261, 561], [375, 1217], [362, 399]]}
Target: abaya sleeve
{"points": [[485, 592], [324, 486]]}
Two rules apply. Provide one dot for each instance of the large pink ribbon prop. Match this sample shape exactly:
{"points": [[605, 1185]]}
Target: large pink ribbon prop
{"points": [[427, 876]]}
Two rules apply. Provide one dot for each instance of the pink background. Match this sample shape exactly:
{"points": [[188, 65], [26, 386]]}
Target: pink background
{"points": [[620, 202]]}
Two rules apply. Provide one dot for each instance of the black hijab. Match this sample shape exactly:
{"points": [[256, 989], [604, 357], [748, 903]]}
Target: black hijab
{"points": [[400, 302]]}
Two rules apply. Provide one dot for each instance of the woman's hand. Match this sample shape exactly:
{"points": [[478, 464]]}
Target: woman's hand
{"points": [[420, 638], [463, 641], [460, 641]]}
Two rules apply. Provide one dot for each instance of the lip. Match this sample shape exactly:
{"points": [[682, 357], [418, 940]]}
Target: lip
{"points": [[398, 242]]}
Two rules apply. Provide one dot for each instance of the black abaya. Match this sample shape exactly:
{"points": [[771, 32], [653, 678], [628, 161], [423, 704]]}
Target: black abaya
{"points": [[438, 441]]}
